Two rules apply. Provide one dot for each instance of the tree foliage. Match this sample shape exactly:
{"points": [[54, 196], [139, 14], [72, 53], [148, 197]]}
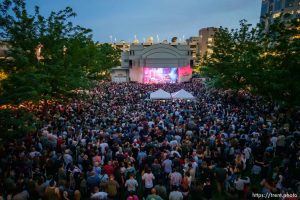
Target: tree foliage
{"points": [[51, 72], [107, 57], [66, 57], [16, 123], [48, 57], [264, 62]]}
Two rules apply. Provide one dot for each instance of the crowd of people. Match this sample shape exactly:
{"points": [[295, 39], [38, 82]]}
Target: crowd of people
{"points": [[113, 142]]}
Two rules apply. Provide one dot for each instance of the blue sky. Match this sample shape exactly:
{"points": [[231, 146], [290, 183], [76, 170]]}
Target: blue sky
{"points": [[166, 18]]}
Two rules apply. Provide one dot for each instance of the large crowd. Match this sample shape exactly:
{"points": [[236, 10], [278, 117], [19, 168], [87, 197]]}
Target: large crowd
{"points": [[113, 142]]}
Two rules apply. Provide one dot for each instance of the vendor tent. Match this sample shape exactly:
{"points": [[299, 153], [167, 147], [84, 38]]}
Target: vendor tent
{"points": [[182, 94], [160, 94]]}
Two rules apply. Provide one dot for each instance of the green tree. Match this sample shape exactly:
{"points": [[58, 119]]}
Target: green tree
{"points": [[281, 61], [48, 57], [235, 55], [264, 62], [17, 123], [106, 58], [60, 65]]}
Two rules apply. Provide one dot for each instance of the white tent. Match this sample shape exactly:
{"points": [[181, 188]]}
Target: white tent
{"points": [[182, 94], [160, 94]]}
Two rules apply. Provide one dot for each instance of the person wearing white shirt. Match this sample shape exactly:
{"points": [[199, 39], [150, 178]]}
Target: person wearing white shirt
{"points": [[239, 185], [175, 178], [103, 145], [148, 178], [247, 151]]}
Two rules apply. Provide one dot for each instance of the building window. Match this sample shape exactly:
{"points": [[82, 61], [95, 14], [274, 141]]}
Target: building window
{"points": [[277, 5], [275, 15], [209, 51], [289, 3], [264, 9], [191, 63]]}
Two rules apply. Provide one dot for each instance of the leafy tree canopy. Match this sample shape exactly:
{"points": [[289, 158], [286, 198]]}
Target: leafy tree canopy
{"points": [[47, 58], [264, 62]]}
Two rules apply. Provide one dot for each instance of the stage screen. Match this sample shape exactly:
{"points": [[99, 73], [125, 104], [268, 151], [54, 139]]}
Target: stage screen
{"points": [[160, 75], [185, 71]]}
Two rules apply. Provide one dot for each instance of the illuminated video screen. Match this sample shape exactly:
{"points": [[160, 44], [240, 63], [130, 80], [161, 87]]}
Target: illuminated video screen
{"points": [[160, 75]]}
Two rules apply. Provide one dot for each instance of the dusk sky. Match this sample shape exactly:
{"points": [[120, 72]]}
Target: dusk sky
{"points": [[123, 19]]}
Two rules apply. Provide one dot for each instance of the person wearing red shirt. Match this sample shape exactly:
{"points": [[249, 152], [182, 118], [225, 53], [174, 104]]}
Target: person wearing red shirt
{"points": [[109, 168]]}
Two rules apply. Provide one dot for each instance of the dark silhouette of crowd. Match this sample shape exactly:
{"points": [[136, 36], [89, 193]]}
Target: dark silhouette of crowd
{"points": [[113, 142]]}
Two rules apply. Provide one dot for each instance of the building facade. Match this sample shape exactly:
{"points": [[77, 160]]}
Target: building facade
{"points": [[272, 9], [206, 40], [124, 46], [193, 43], [155, 63]]}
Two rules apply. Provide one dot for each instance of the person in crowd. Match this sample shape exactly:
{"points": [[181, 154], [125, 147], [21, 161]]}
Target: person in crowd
{"points": [[161, 189], [175, 194], [207, 190], [112, 188], [77, 195], [239, 184], [186, 184], [52, 191], [153, 195], [132, 196], [99, 195], [156, 169], [167, 165], [175, 179], [148, 179], [93, 180], [131, 185], [111, 141]]}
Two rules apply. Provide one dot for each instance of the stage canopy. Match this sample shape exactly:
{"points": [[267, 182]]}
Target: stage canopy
{"points": [[182, 94], [160, 94]]}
